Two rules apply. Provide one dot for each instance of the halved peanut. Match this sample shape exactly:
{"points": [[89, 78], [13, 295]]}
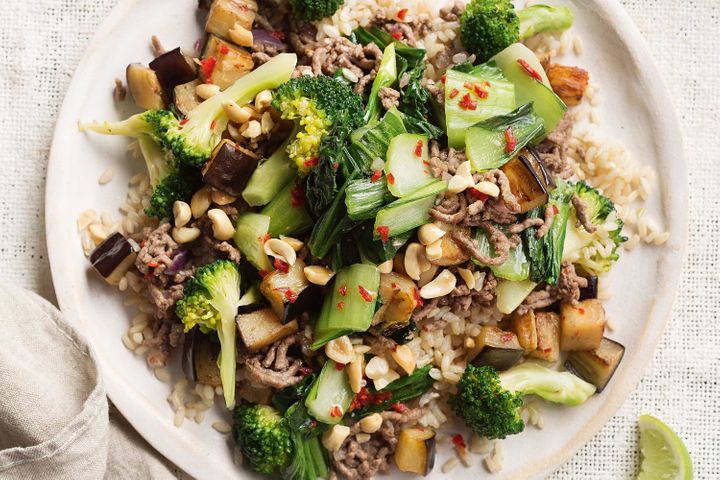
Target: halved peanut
{"points": [[488, 188], [386, 379], [222, 226], [377, 367], [185, 234], [416, 261], [182, 213], [340, 350], [386, 267], [206, 90], [293, 242], [371, 423], [334, 438], [200, 202], [462, 180], [318, 274], [439, 286], [468, 276], [355, 372], [279, 249], [429, 233], [221, 198], [434, 251], [405, 358]]}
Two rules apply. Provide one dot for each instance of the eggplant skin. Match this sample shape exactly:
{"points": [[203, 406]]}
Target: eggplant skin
{"points": [[173, 68], [229, 168], [597, 366]]}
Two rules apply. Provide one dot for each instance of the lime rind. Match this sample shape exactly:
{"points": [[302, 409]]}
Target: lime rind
{"points": [[663, 454]]}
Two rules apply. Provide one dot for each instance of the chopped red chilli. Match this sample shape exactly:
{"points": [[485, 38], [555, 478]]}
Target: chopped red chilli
{"points": [[281, 265], [339, 367], [384, 232], [480, 92], [454, 93], [340, 305], [183, 121], [418, 299], [335, 411], [390, 178], [401, 14], [376, 176], [291, 295], [208, 65], [396, 35], [555, 209], [529, 70], [398, 407], [418, 148], [224, 49], [311, 162], [342, 290], [443, 78], [510, 140], [213, 124], [477, 194], [367, 296], [297, 197], [467, 103], [263, 273]]}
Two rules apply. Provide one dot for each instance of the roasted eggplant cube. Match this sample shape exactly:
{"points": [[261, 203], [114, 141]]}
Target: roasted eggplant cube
{"points": [[591, 291], [289, 293], [569, 83], [261, 328], [526, 181], [415, 451], [229, 168], [399, 298], [582, 325], [145, 87], [232, 62], [548, 337], [526, 330], [225, 14], [452, 254], [200, 355], [596, 366], [113, 257], [496, 348], [174, 68], [185, 98]]}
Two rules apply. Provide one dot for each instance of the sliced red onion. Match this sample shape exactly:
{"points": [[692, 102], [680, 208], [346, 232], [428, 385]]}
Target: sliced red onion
{"points": [[263, 37], [178, 263]]}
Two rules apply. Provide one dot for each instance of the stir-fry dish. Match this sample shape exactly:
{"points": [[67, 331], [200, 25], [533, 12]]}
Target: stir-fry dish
{"points": [[360, 221]]}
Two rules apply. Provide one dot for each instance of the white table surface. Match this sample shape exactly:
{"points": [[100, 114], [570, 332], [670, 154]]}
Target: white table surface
{"points": [[42, 41]]}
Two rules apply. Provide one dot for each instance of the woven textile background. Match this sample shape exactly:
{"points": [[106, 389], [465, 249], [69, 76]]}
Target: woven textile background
{"points": [[42, 41]]}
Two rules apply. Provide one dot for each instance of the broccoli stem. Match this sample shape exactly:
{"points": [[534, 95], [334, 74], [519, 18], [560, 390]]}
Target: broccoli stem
{"points": [[542, 18], [386, 76], [557, 387]]}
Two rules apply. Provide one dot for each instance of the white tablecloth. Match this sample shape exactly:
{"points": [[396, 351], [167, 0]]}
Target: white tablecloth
{"points": [[42, 41]]}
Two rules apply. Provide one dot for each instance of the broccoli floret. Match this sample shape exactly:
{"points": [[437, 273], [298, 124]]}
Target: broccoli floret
{"points": [[490, 403], [317, 104], [488, 26], [193, 139], [580, 244], [210, 302], [314, 10], [263, 437]]}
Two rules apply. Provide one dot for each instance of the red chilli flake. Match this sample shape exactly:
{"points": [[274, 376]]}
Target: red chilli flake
{"points": [[339, 367], [208, 65], [384, 232], [379, 397], [213, 124], [467, 103], [480, 92], [305, 371], [291, 295], [398, 407], [183, 121], [340, 305], [418, 299], [458, 441], [510, 140], [390, 178], [376, 176], [418, 148], [555, 210], [335, 412], [477, 194], [343, 290], [311, 162], [401, 14], [224, 49], [396, 35], [297, 197], [529, 70], [361, 399], [454, 93], [263, 273], [153, 264], [281, 265], [365, 294], [443, 78], [279, 35]]}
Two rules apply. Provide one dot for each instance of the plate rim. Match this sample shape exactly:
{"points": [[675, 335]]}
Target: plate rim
{"points": [[676, 212]]}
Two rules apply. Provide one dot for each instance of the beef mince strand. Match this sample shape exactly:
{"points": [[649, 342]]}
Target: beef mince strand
{"points": [[497, 238], [547, 223], [567, 290], [452, 209], [553, 150], [581, 212]]}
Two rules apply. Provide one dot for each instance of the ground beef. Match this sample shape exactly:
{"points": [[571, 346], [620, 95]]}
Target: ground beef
{"points": [[166, 335], [438, 93], [354, 460], [452, 209], [581, 212], [497, 238], [389, 97], [274, 366], [451, 13], [329, 54], [164, 299], [547, 223], [525, 224], [567, 290], [262, 52], [499, 178], [553, 150], [157, 251]]}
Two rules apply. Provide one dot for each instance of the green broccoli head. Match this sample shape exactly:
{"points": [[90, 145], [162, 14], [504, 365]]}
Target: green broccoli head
{"points": [[178, 184], [317, 104], [210, 302], [597, 206], [490, 403], [263, 437], [488, 26], [314, 10], [489, 409]]}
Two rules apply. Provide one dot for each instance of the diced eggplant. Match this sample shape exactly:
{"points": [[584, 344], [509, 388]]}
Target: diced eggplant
{"points": [[415, 451], [527, 182], [113, 257], [225, 14], [261, 328], [569, 83], [399, 298], [185, 98], [231, 62], [204, 4], [596, 366], [496, 348], [582, 325], [229, 168], [251, 300], [525, 329], [145, 87], [174, 68], [200, 358], [548, 337], [452, 254], [289, 293], [591, 291]]}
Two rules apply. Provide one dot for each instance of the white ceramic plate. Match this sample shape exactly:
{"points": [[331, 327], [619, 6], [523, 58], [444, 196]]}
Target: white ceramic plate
{"points": [[636, 110]]}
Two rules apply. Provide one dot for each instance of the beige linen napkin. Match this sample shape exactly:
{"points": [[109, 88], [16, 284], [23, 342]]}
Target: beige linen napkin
{"points": [[54, 422]]}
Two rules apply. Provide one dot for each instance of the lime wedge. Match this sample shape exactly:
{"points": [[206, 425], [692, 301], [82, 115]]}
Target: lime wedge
{"points": [[663, 455]]}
